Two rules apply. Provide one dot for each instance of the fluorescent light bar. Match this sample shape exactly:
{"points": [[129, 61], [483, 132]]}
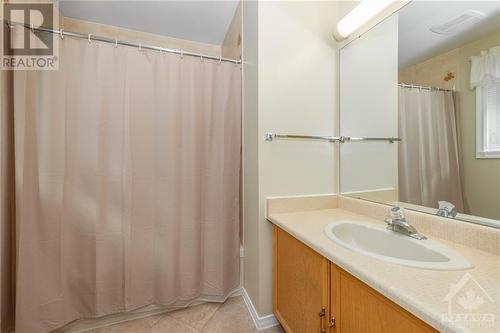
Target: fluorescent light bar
{"points": [[360, 15]]}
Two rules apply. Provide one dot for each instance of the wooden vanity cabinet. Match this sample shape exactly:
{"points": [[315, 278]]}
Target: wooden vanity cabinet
{"points": [[360, 308], [301, 285], [313, 295]]}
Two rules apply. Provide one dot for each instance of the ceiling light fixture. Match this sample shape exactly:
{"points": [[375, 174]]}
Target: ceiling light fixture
{"points": [[360, 15]]}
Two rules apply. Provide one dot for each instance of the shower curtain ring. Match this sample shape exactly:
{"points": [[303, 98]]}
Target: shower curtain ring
{"points": [[88, 38], [140, 46], [116, 42], [220, 59], [61, 33], [201, 58], [32, 28], [182, 54]]}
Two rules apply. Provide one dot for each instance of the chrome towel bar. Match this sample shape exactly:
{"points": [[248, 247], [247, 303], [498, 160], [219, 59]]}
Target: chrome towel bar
{"points": [[272, 136], [353, 138], [342, 139]]}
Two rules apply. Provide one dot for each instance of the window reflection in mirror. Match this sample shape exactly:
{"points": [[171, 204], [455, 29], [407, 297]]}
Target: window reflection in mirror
{"points": [[428, 74]]}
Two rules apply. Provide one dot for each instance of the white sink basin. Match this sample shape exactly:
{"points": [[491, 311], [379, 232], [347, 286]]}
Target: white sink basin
{"points": [[378, 242]]}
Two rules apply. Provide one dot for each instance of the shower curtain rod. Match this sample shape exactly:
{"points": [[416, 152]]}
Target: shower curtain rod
{"points": [[92, 37], [404, 85]]}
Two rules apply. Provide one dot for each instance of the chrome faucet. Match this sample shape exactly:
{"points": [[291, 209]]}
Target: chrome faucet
{"points": [[446, 209], [397, 223]]}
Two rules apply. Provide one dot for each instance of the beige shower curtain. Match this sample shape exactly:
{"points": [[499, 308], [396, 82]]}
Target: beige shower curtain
{"points": [[429, 154], [127, 183]]}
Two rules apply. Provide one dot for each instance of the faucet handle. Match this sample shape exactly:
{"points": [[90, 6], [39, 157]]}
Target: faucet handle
{"points": [[397, 213], [446, 209]]}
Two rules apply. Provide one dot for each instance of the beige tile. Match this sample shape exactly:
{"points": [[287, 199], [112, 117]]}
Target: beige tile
{"points": [[196, 316], [133, 326], [169, 324], [275, 329], [231, 317]]}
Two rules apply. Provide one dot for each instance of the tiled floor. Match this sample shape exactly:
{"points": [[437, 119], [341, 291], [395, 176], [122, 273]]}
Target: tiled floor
{"points": [[230, 317]]}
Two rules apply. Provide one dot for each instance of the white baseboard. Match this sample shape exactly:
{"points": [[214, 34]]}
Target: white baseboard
{"points": [[261, 323]]}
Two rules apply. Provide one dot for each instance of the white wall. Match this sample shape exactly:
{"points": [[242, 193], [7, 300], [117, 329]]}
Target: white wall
{"points": [[296, 76], [296, 95], [368, 108], [251, 201]]}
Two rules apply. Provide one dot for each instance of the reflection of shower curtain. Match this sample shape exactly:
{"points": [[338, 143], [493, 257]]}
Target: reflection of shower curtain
{"points": [[127, 183], [429, 156]]}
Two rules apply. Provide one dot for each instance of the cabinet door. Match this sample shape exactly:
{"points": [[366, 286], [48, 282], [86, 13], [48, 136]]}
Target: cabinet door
{"points": [[301, 283], [359, 308]]}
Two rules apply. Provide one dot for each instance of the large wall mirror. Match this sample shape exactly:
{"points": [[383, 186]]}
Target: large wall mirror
{"points": [[429, 76]]}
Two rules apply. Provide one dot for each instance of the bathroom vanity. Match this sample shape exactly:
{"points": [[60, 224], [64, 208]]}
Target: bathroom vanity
{"points": [[321, 286], [312, 294]]}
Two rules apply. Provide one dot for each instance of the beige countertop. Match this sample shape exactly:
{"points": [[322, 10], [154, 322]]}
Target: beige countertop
{"points": [[422, 292]]}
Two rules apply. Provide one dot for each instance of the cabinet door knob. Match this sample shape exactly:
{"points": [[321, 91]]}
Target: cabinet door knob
{"points": [[322, 313], [332, 322]]}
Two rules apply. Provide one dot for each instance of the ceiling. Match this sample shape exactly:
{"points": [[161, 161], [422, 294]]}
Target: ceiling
{"points": [[417, 42], [201, 21]]}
